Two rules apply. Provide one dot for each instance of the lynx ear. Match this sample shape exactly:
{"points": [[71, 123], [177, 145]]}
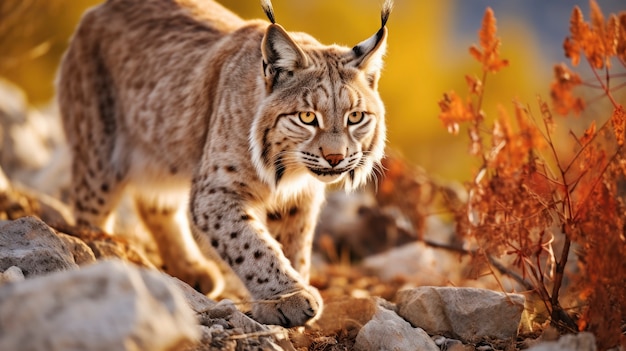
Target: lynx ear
{"points": [[370, 51], [281, 55], [368, 54]]}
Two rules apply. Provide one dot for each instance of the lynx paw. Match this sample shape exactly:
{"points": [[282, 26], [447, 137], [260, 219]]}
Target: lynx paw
{"points": [[290, 309]]}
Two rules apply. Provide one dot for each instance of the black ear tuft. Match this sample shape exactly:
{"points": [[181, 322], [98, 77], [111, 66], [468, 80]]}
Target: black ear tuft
{"points": [[368, 54], [385, 12], [269, 10]]}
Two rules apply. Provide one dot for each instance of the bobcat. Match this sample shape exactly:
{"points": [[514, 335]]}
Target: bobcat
{"points": [[237, 122]]}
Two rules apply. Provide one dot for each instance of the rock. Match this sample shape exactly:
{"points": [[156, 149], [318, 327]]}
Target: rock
{"points": [[387, 331], [31, 245], [571, 342], [81, 252], [14, 205], [49, 209], [218, 338], [11, 275], [214, 338], [32, 143], [468, 314], [416, 261], [198, 302], [106, 247], [106, 306], [18, 201], [224, 327]]}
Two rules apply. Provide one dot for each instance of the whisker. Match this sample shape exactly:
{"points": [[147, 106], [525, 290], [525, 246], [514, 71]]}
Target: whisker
{"points": [[378, 171]]}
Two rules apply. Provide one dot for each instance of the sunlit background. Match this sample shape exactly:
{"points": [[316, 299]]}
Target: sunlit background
{"points": [[427, 55]]}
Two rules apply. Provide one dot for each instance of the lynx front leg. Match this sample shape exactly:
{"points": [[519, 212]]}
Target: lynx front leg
{"points": [[223, 222], [294, 229]]}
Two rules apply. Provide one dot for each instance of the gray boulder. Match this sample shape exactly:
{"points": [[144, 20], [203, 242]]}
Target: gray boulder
{"points": [[106, 306], [224, 327], [468, 314], [82, 253], [31, 245], [388, 331]]}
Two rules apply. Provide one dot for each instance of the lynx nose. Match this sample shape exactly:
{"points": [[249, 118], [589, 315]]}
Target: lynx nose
{"points": [[334, 159]]}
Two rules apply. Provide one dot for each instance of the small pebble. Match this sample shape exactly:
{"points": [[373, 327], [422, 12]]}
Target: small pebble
{"points": [[439, 340], [11, 275]]}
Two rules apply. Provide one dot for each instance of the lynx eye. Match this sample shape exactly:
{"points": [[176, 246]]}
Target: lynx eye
{"points": [[308, 118], [355, 117]]}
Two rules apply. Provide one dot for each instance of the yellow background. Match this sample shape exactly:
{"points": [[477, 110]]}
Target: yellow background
{"points": [[426, 57]]}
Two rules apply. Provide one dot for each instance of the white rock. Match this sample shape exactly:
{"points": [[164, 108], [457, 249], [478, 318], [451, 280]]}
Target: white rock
{"points": [[579, 342], [416, 261], [468, 314], [31, 245], [387, 331], [11, 275], [105, 306]]}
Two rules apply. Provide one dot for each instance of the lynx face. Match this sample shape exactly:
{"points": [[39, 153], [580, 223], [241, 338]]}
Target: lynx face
{"points": [[322, 116]]}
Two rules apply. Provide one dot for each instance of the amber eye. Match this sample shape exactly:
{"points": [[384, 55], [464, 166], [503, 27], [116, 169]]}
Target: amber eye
{"points": [[308, 117], [355, 117]]}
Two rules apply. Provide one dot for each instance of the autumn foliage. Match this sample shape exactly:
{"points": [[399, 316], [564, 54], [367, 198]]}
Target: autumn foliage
{"points": [[547, 201]]}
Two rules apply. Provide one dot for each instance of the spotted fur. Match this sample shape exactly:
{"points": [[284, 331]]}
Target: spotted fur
{"points": [[238, 123]]}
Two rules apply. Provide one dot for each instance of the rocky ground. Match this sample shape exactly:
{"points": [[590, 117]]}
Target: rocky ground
{"points": [[63, 289]]}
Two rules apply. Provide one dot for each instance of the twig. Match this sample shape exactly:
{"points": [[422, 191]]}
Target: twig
{"points": [[558, 314], [604, 86], [499, 266], [504, 270]]}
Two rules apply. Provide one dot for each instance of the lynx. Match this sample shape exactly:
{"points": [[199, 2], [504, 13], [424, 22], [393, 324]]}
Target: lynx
{"points": [[237, 122]]}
